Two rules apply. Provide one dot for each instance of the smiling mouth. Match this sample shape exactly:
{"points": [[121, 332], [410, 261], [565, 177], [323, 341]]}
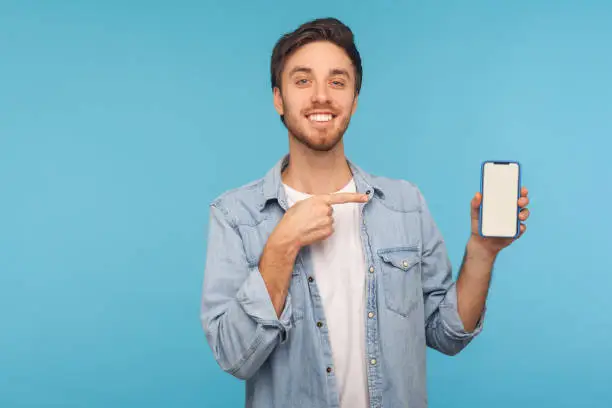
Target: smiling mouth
{"points": [[320, 117]]}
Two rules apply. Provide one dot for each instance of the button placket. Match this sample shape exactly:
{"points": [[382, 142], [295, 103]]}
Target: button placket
{"points": [[372, 330]]}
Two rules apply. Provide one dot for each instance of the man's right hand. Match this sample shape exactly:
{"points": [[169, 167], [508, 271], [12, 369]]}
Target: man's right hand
{"points": [[311, 220], [306, 222]]}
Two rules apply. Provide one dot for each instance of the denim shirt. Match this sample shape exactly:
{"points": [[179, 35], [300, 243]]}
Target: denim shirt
{"points": [[411, 299]]}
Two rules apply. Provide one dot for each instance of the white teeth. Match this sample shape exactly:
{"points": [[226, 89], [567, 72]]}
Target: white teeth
{"points": [[320, 117]]}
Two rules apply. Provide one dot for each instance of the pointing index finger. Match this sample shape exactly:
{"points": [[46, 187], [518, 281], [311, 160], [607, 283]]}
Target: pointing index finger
{"points": [[341, 198]]}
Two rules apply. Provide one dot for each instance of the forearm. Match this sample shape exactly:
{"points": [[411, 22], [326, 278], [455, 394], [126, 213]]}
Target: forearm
{"points": [[276, 266], [473, 284]]}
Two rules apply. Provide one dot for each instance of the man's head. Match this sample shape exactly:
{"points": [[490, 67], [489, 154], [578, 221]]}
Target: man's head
{"points": [[316, 78]]}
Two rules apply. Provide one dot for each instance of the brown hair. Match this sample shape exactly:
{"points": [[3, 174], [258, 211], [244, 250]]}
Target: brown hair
{"points": [[323, 29]]}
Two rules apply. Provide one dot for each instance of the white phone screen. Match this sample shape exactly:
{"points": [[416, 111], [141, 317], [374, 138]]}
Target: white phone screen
{"points": [[500, 193]]}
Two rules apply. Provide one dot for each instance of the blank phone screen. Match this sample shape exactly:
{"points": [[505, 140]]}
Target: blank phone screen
{"points": [[500, 199]]}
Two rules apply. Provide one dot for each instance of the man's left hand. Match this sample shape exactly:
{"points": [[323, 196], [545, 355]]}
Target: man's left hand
{"points": [[492, 246]]}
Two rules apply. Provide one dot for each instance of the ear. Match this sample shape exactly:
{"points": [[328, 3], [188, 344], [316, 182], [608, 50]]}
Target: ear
{"points": [[278, 101]]}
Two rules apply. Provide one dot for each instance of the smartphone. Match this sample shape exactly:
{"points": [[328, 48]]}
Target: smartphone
{"points": [[500, 186]]}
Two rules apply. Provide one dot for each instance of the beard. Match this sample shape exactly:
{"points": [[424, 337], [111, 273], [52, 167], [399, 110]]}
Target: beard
{"points": [[320, 140]]}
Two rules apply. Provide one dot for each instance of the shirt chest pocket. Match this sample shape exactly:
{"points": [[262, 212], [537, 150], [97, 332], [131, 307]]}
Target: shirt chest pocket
{"points": [[401, 279]]}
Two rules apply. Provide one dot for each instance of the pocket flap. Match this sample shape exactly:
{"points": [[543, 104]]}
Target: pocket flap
{"points": [[403, 258]]}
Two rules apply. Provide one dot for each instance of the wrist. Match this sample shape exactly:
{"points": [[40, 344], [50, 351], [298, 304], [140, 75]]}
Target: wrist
{"points": [[476, 249], [283, 246]]}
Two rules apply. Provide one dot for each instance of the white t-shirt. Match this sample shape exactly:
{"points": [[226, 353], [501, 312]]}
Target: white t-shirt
{"points": [[339, 269]]}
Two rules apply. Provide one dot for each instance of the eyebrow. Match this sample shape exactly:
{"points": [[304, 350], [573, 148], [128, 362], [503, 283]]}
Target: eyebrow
{"points": [[333, 71], [338, 71]]}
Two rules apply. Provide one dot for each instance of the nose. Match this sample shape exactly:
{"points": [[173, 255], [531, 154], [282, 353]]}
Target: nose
{"points": [[320, 93]]}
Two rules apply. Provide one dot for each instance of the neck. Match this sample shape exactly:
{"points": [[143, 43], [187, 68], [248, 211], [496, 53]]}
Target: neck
{"points": [[314, 172]]}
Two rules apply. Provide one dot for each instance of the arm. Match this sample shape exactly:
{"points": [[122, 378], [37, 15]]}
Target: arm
{"points": [[480, 254], [275, 266], [444, 330], [238, 317], [246, 309], [473, 284]]}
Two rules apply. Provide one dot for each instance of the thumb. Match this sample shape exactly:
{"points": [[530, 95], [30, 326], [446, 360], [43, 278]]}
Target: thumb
{"points": [[475, 204]]}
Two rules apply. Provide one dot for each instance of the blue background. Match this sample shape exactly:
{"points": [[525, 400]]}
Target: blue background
{"points": [[120, 122]]}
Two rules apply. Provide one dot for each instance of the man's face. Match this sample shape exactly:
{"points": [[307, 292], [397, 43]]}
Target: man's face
{"points": [[318, 95]]}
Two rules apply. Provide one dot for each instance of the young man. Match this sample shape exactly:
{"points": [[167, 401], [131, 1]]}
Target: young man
{"points": [[324, 284]]}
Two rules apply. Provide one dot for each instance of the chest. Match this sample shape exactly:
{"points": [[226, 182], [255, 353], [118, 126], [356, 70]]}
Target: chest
{"points": [[361, 234]]}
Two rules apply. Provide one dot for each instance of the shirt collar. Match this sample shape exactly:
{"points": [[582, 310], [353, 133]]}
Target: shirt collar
{"points": [[273, 184]]}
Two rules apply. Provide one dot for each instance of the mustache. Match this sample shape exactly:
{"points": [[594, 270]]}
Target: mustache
{"points": [[326, 108]]}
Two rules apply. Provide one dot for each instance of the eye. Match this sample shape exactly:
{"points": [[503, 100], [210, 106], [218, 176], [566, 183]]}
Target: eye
{"points": [[337, 83], [301, 81]]}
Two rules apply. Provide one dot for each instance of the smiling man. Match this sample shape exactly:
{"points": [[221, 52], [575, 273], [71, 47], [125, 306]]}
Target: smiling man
{"points": [[325, 284]]}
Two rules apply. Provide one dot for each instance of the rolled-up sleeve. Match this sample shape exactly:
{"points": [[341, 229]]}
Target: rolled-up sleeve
{"points": [[444, 328], [237, 314], [451, 321], [255, 300]]}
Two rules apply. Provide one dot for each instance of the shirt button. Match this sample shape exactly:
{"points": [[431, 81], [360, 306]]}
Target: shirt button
{"points": [[373, 361], [319, 324], [310, 279], [364, 221], [328, 369], [371, 315], [405, 263], [371, 269]]}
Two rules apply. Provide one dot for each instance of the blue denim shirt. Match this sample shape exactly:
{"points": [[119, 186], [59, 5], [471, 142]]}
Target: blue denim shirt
{"points": [[287, 360]]}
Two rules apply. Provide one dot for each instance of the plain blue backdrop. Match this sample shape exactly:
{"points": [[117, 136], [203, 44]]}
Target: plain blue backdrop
{"points": [[121, 121]]}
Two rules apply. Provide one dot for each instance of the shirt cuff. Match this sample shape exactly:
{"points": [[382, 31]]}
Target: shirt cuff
{"points": [[255, 300], [451, 320]]}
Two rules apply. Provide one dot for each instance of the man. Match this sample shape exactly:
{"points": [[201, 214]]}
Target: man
{"points": [[324, 284]]}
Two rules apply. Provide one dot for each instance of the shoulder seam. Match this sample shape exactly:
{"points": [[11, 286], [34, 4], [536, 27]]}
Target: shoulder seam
{"points": [[249, 186], [226, 214]]}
